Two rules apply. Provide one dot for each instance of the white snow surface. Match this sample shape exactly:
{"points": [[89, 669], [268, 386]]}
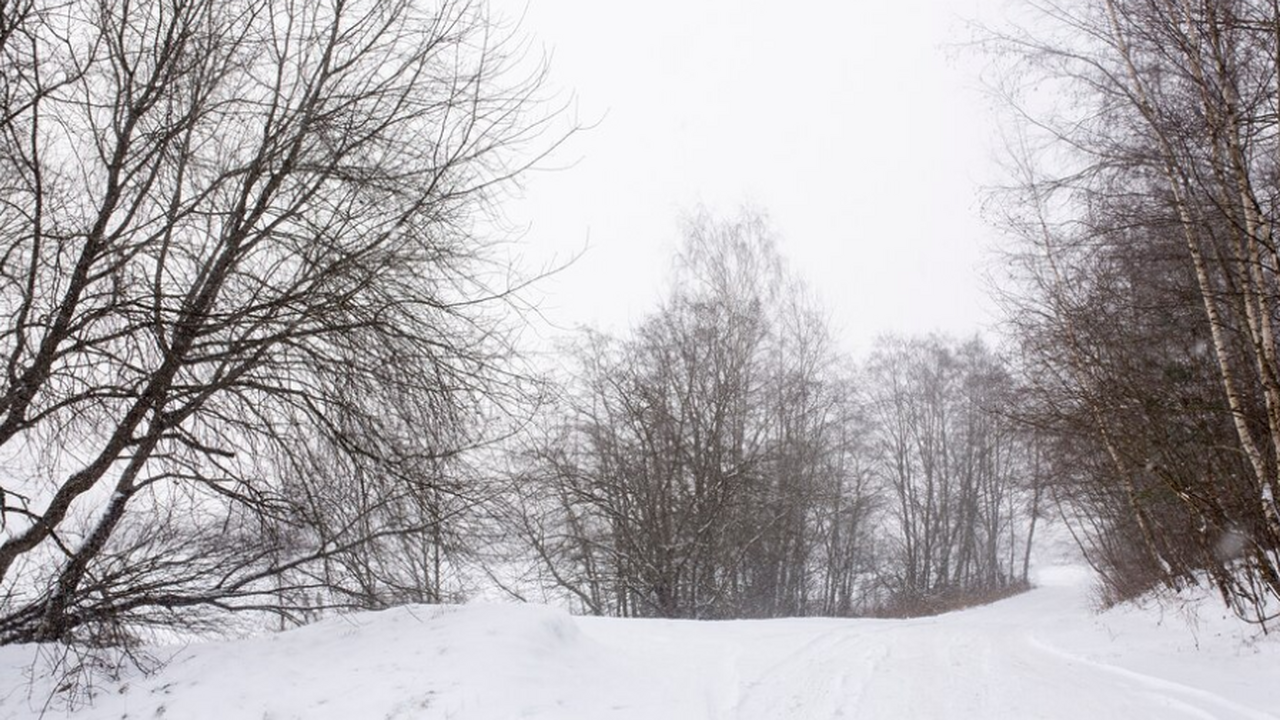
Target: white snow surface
{"points": [[1043, 654]]}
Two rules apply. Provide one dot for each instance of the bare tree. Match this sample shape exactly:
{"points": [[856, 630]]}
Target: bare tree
{"points": [[704, 466], [954, 467], [245, 295], [1149, 282]]}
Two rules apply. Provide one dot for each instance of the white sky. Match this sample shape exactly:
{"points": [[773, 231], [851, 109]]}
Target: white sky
{"points": [[849, 123]]}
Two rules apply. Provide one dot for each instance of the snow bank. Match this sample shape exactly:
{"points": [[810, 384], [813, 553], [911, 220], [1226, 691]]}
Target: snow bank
{"points": [[1043, 654], [400, 663]]}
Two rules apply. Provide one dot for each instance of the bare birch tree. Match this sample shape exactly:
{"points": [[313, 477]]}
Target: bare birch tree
{"points": [[1151, 270]]}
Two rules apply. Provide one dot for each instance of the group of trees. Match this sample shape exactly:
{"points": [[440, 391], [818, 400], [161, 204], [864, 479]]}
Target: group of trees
{"points": [[243, 302], [1147, 293], [959, 474], [253, 325], [723, 460]]}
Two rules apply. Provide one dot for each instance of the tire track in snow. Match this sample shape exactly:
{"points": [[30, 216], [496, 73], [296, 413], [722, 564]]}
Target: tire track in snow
{"points": [[985, 663], [1159, 686], [822, 678]]}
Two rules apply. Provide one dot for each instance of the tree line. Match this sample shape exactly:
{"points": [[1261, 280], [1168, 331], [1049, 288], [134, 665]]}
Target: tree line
{"points": [[1145, 297], [723, 459], [258, 339]]}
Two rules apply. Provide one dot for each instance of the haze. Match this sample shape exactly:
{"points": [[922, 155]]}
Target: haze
{"points": [[852, 126]]}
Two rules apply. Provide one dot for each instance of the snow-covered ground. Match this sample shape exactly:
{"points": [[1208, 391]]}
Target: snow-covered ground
{"points": [[1040, 655]]}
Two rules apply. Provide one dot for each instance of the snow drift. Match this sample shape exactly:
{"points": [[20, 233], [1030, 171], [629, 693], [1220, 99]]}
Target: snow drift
{"points": [[1043, 654]]}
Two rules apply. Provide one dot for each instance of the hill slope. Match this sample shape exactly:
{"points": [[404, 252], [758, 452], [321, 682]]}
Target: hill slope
{"points": [[1039, 655]]}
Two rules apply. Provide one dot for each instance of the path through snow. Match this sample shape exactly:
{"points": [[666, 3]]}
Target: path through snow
{"points": [[1039, 655]]}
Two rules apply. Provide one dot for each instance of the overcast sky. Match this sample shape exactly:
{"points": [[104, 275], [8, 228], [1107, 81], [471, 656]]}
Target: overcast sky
{"points": [[850, 124]]}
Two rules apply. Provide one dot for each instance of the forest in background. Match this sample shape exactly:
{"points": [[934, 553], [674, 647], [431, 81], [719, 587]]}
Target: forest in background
{"points": [[724, 459], [261, 341]]}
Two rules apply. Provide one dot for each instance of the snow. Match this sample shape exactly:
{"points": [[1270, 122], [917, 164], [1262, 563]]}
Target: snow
{"points": [[1044, 654]]}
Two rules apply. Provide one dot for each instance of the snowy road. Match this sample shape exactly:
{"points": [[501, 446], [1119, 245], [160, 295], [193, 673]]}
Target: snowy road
{"points": [[1039, 655]]}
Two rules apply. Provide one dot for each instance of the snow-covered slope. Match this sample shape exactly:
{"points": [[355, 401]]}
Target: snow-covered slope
{"points": [[1039, 655]]}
